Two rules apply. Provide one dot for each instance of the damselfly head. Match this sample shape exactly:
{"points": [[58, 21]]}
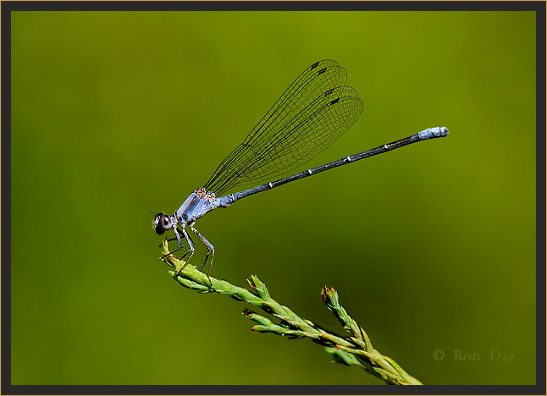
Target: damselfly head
{"points": [[162, 223]]}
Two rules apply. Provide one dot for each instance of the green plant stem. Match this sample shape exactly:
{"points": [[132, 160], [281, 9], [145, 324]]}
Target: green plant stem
{"points": [[354, 350]]}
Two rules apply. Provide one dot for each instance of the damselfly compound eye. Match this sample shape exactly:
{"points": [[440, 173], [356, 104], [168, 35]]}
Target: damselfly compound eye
{"points": [[162, 223]]}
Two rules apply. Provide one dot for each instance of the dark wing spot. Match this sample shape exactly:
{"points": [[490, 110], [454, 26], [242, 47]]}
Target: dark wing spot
{"points": [[335, 101]]}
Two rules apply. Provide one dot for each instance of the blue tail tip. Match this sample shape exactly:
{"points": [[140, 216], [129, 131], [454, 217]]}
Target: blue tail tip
{"points": [[432, 133]]}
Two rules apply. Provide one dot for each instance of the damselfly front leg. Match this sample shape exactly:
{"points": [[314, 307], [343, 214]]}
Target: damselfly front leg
{"points": [[177, 235], [210, 250], [170, 240], [191, 250]]}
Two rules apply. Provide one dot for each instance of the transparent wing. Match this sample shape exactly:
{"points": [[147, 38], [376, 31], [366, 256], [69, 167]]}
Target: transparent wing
{"points": [[312, 113]]}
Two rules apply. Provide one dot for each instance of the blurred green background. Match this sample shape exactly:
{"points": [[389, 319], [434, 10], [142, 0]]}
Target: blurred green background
{"points": [[119, 115]]}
